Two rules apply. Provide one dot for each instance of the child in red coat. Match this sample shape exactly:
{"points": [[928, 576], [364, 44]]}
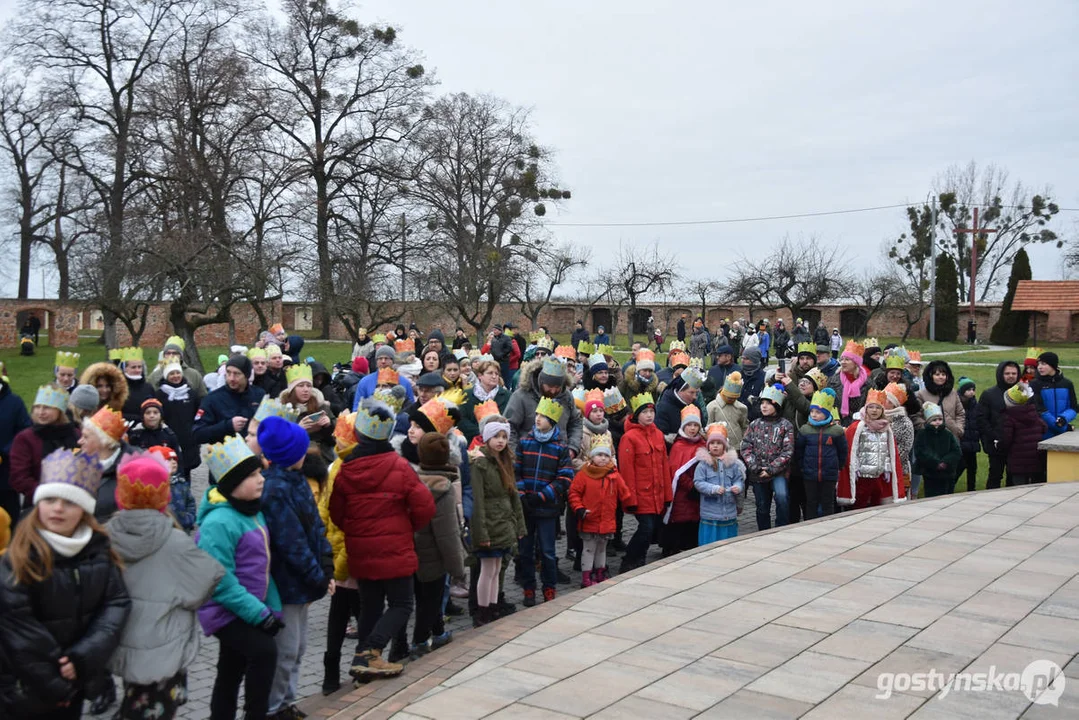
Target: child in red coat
{"points": [[682, 520], [594, 497], [642, 460]]}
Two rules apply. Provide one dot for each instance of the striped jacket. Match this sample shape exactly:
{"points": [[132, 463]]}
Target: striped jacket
{"points": [[544, 472]]}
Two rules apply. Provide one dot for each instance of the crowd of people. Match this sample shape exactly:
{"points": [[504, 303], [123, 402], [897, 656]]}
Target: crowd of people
{"points": [[424, 473]]}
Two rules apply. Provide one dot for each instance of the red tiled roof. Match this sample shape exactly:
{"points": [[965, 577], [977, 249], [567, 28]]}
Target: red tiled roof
{"points": [[1045, 295]]}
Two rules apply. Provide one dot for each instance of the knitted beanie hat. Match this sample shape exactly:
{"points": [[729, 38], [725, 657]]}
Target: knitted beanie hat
{"points": [[283, 443], [142, 483], [433, 450]]}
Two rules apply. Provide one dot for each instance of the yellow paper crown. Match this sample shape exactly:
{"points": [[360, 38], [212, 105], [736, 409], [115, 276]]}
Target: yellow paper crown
{"points": [[298, 373], [1033, 353], [807, 347], [116, 354], [601, 442], [550, 409], [224, 456], [895, 359], [585, 348], [395, 400], [130, 353], [676, 345], [545, 343], [697, 363], [604, 349], [272, 407], [824, 400], [257, 353], [640, 401], [535, 336], [67, 360], [177, 341]]}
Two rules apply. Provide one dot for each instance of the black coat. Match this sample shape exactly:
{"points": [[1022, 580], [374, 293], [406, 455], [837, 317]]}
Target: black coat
{"points": [[106, 493], [821, 336], [329, 393], [213, 423], [272, 383], [179, 415], [138, 392], [143, 438], [579, 336], [681, 332], [78, 611], [991, 410]]}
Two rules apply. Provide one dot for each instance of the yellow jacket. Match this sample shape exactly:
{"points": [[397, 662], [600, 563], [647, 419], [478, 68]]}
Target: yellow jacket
{"points": [[334, 534], [5, 530]]}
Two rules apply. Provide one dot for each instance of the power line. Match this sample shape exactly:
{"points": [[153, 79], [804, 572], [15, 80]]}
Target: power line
{"points": [[727, 221]]}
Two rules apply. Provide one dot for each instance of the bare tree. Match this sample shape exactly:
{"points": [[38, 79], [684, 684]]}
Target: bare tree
{"points": [[337, 89], [707, 291], [481, 183], [795, 275], [1019, 216], [874, 291], [550, 269], [640, 273]]}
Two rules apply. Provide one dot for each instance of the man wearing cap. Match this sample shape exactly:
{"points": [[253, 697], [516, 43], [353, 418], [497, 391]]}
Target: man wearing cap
{"points": [[684, 390], [540, 378], [722, 366], [226, 410], [384, 358], [174, 353]]}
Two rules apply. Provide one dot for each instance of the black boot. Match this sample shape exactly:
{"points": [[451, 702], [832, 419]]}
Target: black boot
{"points": [[504, 606], [105, 699], [331, 678]]}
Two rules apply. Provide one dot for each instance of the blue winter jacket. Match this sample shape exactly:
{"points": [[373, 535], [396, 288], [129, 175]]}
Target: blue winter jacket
{"points": [[213, 421], [544, 471], [1054, 396], [301, 560], [765, 343], [367, 386], [707, 480], [603, 339], [820, 452]]}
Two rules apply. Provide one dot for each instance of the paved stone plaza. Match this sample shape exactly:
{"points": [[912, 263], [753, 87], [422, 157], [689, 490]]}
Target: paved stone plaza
{"points": [[814, 620]]}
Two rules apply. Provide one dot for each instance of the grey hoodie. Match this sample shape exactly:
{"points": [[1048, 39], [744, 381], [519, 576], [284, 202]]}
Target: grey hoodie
{"points": [[168, 578]]}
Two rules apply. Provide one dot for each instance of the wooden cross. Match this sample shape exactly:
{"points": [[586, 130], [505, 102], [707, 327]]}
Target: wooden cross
{"points": [[974, 261]]}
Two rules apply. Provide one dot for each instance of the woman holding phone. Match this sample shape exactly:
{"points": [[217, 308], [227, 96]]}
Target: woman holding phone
{"points": [[315, 415]]}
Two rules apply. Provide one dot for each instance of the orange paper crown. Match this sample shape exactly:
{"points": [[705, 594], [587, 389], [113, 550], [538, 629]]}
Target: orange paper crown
{"points": [[678, 357], [915, 357], [594, 395], [691, 410], [344, 432], [388, 376], [897, 392], [565, 351], [404, 345], [109, 422], [876, 397], [854, 349], [485, 410], [437, 410]]}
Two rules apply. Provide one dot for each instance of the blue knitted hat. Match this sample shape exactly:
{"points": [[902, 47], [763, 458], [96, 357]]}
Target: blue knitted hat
{"points": [[282, 442]]}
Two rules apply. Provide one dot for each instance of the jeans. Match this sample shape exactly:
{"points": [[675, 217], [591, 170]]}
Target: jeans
{"points": [[820, 498], [428, 610], [637, 548], [763, 491], [291, 645], [378, 624], [539, 530], [245, 654]]}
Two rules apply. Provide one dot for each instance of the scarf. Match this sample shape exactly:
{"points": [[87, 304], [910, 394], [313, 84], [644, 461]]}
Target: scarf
{"points": [[597, 472], [246, 507], [483, 395], [851, 389], [821, 423], [542, 436], [68, 546], [876, 425], [594, 428], [176, 393], [410, 452]]}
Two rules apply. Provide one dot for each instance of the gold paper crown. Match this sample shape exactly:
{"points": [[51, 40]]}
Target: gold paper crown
{"points": [[395, 400], [550, 409], [640, 401], [224, 456], [130, 353], [272, 407], [585, 348], [257, 353], [535, 336], [604, 349], [854, 348], [109, 422], [697, 363], [678, 357], [1033, 353], [871, 342], [344, 431], [807, 347], [613, 401], [545, 343], [387, 376], [67, 360], [299, 373], [601, 441], [818, 378], [676, 345], [565, 351], [895, 359]]}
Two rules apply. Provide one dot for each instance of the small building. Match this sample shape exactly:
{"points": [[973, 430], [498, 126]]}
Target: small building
{"points": [[1054, 309]]}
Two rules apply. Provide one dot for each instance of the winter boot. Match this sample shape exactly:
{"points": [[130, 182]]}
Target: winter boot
{"points": [[530, 598], [549, 594], [586, 579], [331, 678], [399, 650], [600, 574], [503, 608], [369, 664]]}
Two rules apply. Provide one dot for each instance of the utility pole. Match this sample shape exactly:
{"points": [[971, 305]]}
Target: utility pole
{"points": [[972, 324], [404, 247], [933, 273]]}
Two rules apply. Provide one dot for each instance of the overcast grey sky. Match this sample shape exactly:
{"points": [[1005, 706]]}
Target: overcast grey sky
{"points": [[698, 110]]}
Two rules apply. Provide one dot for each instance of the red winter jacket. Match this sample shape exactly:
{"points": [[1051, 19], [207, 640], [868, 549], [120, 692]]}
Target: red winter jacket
{"points": [[1021, 429], [379, 502], [686, 506], [642, 460], [598, 490]]}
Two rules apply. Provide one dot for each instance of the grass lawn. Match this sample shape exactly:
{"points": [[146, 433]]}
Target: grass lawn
{"points": [[1069, 355]]}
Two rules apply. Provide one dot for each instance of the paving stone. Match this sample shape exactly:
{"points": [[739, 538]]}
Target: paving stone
{"points": [[954, 633], [865, 640], [909, 660], [760, 706], [593, 689], [858, 701], [1045, 632], [770, 646], [573, 655], [702, 684], [636, 706], [809, 677]]}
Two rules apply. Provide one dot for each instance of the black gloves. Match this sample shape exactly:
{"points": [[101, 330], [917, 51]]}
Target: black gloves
{"points": [[581, 512], [271, 625]]}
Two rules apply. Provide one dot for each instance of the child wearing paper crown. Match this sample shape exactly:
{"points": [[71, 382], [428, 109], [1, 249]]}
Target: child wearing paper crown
{"points": [[767, 449], [244, 611], [873, 473], [936, 452], [168, 578], [63, 602], [1021, 429], [682, 520], [719, 478], [594, 495], [181, 502], [820, 449], [642, 460], [544, 470], [301, 560]]}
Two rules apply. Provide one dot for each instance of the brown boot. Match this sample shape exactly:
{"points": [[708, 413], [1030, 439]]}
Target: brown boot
{"points": [[369, 663]]}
